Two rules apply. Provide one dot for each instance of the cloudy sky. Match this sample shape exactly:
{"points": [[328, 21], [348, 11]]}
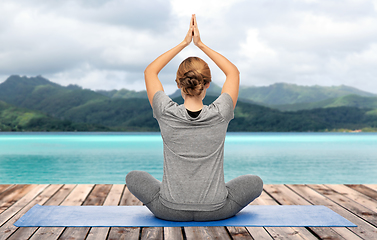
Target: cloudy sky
{"points": [[106, 44]]}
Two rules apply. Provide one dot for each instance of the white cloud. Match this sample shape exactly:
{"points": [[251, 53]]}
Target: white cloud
{"points": [[108, 43], [97, 79], [206, 9]]}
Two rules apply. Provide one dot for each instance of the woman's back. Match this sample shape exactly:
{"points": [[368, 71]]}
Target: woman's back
{"points": [[193, 153]]}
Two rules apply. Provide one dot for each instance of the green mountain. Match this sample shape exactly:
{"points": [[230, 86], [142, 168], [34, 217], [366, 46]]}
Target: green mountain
{"points": [[20, 119], [249, 117], [123, 93], [73, 108], [283, 93], [38, 93], [131, 114], [256, 118], [288, 97], [344, 101], [79, 105]]}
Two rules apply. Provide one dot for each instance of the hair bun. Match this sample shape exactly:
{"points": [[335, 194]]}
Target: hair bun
{"points": [[193, 78], [192, 75], [192, 83]]}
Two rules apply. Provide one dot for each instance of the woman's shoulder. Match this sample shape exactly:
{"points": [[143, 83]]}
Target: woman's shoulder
{"points": [[160, 98], [223, 100], [224, 105], [163, 103]]}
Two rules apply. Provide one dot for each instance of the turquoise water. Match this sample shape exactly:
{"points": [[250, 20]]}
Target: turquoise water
{"points": [[108, 157]]}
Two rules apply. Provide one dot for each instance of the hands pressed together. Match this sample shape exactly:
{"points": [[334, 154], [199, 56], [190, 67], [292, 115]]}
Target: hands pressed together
{"points": [[153, 84], [193, 32]]}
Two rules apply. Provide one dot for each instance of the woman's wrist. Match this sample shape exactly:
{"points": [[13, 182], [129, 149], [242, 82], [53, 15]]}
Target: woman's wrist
{"points": [[200, 44], [183, 44]]}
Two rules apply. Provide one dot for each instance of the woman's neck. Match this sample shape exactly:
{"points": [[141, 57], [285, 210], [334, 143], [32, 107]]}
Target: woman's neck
{"points": [[193, 103]]}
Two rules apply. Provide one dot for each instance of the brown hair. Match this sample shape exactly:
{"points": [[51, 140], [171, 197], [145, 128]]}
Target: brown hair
{"points": [[193, 73]]}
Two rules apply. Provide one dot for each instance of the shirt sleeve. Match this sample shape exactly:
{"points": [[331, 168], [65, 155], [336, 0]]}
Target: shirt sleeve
{"points": [[160, 102], [224, 104]]}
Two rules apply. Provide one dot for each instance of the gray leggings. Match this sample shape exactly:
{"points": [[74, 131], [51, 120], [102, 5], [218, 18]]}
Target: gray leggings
{"points": [[241, 191]]}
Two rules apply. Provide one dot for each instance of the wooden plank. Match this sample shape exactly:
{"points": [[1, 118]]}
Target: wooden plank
{"points": [[286, 196], [363, 229], [78, 195], [112, 199], [220, 233], [12, 194], [239, 233], [22, 202], [347, 203], [284, 232], [259, 233], [95, 198], [124, 233], [75, 198], [26, 232], [115, 194], [4, 187], [372, 186], [264, 199], [364, 190], [151, 233], [60, 196], [6, 192], [173, 233], [194, 233], [98, 195], [288, 233], [355, 196], [128, 199], [36, 196]]}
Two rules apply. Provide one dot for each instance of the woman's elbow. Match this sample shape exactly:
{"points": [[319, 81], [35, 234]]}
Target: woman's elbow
{"points": [[146, 71], [236, 71], [149, 72], [233, 72]]}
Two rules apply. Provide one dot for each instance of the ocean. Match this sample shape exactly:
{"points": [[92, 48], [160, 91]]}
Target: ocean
{"points": [[106, 158]]}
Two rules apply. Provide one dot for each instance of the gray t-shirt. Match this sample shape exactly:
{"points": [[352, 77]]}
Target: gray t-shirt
{"points": [[193, 153]]}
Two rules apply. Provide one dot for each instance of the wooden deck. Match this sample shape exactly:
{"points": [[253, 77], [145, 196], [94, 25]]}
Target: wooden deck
{"points": [[357, 203]]}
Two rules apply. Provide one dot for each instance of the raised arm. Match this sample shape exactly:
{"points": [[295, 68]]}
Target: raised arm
{"points": [[152, 82], [232, 82]]}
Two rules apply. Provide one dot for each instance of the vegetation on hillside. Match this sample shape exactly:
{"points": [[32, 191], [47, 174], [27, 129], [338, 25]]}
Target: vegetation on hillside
{"points": [[20, 119], [256, 118], [283, 93], [351, 100], [40, 105], [123, 93]]}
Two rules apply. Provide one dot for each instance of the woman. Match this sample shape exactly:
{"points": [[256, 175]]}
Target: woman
{"points": [[193, 187]]}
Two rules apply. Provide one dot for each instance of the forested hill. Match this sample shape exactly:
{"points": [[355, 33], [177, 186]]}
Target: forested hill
{"points": [[284, 93], [351, 100], [125, 110], [20, 119]]}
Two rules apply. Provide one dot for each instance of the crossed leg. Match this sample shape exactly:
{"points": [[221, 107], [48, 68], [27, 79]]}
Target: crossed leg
{"points": [[241, 191]]}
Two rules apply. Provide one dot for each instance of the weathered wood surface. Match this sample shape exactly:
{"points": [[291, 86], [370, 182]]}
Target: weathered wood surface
{"points": [[356, 202]]}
